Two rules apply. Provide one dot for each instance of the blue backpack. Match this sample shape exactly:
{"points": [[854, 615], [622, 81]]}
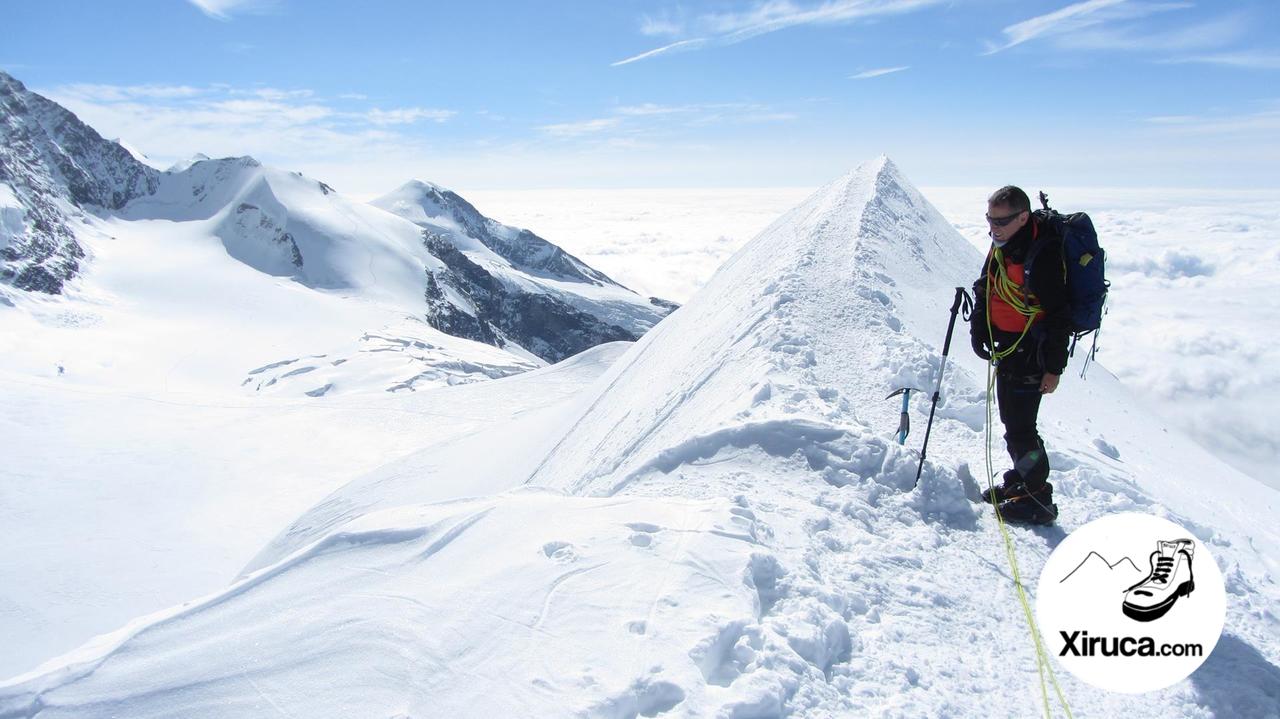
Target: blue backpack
{"points": [[1086, 269]]}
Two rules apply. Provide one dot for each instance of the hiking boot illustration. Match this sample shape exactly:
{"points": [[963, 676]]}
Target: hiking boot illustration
{"points": [[1169, 579]]}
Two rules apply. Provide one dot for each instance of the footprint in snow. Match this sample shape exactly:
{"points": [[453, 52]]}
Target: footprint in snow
{"points": [[643, 532], [562, 552]]}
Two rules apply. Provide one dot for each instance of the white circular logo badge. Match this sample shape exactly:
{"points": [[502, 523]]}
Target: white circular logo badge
{"points": [[1131, 603]]}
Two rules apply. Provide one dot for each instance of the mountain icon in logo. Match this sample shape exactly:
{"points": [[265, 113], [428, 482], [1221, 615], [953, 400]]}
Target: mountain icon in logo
{"points": [[1170, 577], [1096, 569]]}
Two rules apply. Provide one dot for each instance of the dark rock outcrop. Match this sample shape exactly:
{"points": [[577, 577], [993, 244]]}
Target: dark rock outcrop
{"points": [[56, 165], [548, 327]]}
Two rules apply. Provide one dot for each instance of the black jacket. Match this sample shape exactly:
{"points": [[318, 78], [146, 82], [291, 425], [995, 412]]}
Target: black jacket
{"points": [[1047, 283]]}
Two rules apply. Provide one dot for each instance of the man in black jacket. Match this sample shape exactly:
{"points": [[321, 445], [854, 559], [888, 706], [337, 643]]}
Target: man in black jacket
{"points": [[1021, 321]]}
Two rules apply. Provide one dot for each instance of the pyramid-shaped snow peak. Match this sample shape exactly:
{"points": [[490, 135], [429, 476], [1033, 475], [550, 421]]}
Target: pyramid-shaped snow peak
{"points": [[787, 347]]}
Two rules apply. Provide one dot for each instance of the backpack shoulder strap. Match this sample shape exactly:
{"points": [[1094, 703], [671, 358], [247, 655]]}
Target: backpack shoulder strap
{"points": [[1050, 229]]}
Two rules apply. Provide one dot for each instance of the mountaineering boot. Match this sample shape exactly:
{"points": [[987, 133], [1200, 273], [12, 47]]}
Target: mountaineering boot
{"points": [[1170, 578], [1030, 469], [1011, 486], [1032, 506]]}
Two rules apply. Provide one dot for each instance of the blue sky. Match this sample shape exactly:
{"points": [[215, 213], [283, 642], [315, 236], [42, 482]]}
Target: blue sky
{"points": [[665, 94]]}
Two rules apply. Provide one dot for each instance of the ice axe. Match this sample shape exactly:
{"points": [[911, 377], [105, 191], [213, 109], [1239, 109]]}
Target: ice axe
{"points": [[962, 303], [904, 423]]}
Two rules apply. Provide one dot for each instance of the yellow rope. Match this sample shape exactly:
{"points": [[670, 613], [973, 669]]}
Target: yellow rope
{"points": [[1011, 293], [1042, 659]]}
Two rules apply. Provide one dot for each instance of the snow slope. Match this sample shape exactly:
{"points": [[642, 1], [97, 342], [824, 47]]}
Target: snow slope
{"points": [[720, 525]]}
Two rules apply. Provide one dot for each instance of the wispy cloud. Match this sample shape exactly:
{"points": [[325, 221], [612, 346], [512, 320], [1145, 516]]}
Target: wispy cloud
{"points": [[271, 93], [407, 115], [1214, 33], [866, 74], [661, 26], [171, 122], [777, 15], [1076, 17], [648, 118], [224, 9], [650, 108], [1254, 60], [682, 45], [577, 129], [1265, 121], [718, 29], [119, 93]]}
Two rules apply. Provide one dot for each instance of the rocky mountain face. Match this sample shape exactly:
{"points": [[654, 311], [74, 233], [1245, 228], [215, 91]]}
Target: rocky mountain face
{"points": [[541, 323], [54, 166], [525, 251], [505, 284], [423, 246]]}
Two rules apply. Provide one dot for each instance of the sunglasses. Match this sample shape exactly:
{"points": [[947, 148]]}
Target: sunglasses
{"points": [[1002, 221]]}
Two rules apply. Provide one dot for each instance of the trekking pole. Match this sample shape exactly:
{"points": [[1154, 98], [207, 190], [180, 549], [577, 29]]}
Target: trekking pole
{"points": [[962, 300], [904, 420]]}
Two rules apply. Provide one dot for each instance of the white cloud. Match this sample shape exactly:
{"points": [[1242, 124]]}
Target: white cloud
{"points": [[118, 93], [649, 108], [224, 9], [1253, 60], [682, 45], [770, 16], [1266, 121], [577, 129], [878, 72], [407, 115], [271, 93], [281, 127], [1213, 33], [1074, 18], [656, 27], [776, 15]]}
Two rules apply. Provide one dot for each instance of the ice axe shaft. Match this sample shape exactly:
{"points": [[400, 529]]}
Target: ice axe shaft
{"points": [[962, 300], [904, 420]]}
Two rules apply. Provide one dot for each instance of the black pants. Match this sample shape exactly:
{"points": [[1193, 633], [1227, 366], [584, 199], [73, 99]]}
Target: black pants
{"points": [[1018, 378]]}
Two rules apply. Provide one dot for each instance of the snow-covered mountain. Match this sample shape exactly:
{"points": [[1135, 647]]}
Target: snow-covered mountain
{"points": [[52, 166], [501, 281], [429, 253], [720, 524]]}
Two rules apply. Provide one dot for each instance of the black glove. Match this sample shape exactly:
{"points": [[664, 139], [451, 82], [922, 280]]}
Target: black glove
{"points": [[980, 346]]}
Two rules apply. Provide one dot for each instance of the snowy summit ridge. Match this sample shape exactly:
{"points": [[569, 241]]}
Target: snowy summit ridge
{"points": [[774, 335]]}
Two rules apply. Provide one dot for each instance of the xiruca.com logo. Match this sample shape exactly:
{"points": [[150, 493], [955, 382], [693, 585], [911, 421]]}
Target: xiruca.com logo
{"points": [[1131, 603]]}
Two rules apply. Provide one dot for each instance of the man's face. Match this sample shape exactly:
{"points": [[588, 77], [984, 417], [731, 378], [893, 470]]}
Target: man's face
{"points": [[1013, 221]]}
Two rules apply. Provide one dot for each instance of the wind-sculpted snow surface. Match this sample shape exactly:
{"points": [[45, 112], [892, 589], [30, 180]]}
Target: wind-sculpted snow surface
{"points": [[380, 619], [738, 534]]}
